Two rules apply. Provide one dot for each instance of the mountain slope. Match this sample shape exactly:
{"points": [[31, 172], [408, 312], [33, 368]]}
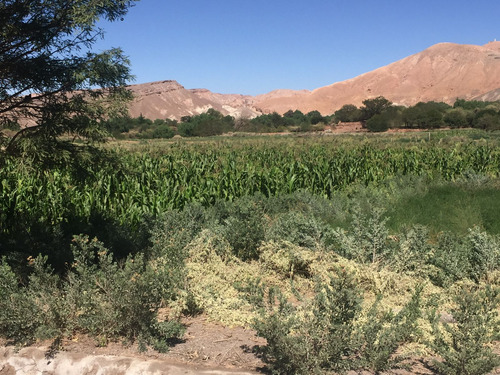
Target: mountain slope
{"points": [[443, 72], [168, 99]]}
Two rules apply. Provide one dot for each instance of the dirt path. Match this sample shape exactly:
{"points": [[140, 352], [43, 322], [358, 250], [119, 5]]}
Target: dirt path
{"points": [[33, 361], [207, 348]]}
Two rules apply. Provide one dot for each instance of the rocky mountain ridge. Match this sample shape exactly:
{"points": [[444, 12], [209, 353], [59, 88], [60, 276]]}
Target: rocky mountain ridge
{"points": [[442, 72]]}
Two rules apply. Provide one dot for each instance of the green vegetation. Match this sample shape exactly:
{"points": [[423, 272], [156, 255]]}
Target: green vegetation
{"points": [[302, 238], [207, 124], [43, 209], [53, 81], [213, 123], [97, 296], [377, 115], [452, 208], [140, 127], [331, 337], [463, 344], [294, 121]]}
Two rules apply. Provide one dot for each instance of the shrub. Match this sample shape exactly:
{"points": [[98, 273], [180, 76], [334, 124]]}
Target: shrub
{"points": [[470, 257], [325, 334], [298, 344], [463, 343], [383, 333], [29, 312], [297, 228], [483, 253], [98, 296], [174, 229], [112, 300], [368, 241], [450, 258], [413, 251], [242, 225]]}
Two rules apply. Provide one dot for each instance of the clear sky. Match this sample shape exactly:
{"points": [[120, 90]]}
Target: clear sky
{"points": [[255, 46]]}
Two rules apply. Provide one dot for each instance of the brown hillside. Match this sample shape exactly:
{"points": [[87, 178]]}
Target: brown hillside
{"points": [[168, 99], [443, 72]]}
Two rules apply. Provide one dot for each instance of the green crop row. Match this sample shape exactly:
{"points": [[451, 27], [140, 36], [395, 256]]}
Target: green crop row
{"points": [[148, 184]]}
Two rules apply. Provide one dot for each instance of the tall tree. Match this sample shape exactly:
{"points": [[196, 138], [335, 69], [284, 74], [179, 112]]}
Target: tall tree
{"points": [[51, 82], [375, 106], [348, 113]]}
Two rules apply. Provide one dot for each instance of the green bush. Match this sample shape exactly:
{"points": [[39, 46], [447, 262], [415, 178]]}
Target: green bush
{"points": [[30, 312], [378, 339], [174, 229], [325, 334], [98, 296], [450, 258], [413, 251], [463, 343], [242, 224], [366, 242], [113, 300], [483, 253], [470, 257], [298, 344], [298, 228]]}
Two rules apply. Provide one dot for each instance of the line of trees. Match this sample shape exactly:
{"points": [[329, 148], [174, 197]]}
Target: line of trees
{"points": [[379, 114], [295, 121], [213, 123]]}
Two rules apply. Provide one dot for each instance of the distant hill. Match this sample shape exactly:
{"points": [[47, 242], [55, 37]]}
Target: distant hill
{"points": [[443, 72], [168, 99]]}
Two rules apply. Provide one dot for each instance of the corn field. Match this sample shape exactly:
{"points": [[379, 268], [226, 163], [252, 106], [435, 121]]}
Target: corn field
{"points": [[153, 179]]}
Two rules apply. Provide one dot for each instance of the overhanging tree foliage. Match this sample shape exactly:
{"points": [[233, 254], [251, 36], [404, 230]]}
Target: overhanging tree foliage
{"points": [[53, 87]]}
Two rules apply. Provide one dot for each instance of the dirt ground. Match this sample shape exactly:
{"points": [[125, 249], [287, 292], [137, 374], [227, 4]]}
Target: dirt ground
{"points": [[204, 344], [206, 348]]}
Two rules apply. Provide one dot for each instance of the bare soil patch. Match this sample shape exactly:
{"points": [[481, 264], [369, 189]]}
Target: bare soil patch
{"points": [[206, 347]]}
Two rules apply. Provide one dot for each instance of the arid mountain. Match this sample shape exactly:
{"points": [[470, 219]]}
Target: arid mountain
{"points": [[490, 96], [443, 72], [168, 99]]}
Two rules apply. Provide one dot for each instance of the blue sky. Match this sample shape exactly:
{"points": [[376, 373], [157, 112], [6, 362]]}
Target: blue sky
{"points": [[255, 46]]}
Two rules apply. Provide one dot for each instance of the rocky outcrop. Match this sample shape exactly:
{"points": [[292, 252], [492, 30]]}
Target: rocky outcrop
{"points": [[169, 99]]}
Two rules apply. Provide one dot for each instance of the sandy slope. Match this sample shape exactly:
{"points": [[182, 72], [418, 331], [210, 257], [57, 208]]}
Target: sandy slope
{"points": [[443, 72]]}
